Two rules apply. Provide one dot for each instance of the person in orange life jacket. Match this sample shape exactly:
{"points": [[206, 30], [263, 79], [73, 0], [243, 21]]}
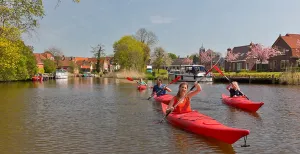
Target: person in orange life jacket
{"points": [[185, 104], [160, 89], [235, 90]]}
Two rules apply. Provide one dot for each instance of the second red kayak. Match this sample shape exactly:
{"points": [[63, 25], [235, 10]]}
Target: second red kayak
{"points": [[164, 98], [142, 87], [201, 124], [242, 103]]}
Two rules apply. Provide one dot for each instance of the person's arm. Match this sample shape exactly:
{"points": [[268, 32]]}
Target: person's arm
{"points": [[170, 106], [195, 92], [228, 87], [168, 89], [154, 90]]}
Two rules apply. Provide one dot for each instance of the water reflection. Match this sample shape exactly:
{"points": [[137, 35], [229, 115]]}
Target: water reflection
{"points": [[105, 115], [62, 83]]}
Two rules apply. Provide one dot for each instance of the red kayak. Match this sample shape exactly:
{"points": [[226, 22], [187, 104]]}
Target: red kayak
{"points": [[241, 103], [198, 123], [142, 87], [164, 98]]}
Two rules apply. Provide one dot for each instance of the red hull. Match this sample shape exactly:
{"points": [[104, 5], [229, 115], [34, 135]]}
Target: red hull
{"points": [[198, 123], [142, 87], [164, 98], [37, 78], [241, 103]]}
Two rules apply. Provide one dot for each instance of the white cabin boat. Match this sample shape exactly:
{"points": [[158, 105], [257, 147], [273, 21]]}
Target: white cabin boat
{"points": [[190, 73], [61, 74]]}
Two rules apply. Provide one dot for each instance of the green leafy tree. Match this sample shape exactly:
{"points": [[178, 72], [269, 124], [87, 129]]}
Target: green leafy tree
{"points": [[195, 58], [17, 61], [129, 53], [160, 57], [22, 14], [49, 66], [172, 56], [73, 67]]}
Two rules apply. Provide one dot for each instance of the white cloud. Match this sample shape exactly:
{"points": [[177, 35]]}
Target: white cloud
{"points": [[161, 20]]}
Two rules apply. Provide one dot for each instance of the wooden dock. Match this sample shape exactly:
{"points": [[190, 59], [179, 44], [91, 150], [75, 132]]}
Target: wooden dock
{"points": [[48, 76]]}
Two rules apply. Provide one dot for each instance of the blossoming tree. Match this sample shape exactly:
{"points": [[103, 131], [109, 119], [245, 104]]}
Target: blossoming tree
{"points": [[206, 57], [231, 57], [187, 61], [261, 53]]}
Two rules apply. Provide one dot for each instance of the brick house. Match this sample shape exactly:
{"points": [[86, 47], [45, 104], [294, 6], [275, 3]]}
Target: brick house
{"points": [[242, 62], [39, 57], [89, 64], [289, 45], [68, 63]]}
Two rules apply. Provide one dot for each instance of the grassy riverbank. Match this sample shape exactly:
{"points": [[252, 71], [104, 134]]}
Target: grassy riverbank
{"points": [[291, 78], [163, 74]]}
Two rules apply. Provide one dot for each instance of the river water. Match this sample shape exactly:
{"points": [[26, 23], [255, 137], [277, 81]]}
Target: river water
{"points": [[92, 115]]}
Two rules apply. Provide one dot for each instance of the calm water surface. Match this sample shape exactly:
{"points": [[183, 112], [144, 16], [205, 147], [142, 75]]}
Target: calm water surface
{"points": [[87, 115]]}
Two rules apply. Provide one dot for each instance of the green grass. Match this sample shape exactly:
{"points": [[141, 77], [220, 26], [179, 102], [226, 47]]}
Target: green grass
{"points": [[163, 74]]}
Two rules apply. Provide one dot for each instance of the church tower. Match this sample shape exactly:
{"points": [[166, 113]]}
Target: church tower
{"points": [[202, 49]]}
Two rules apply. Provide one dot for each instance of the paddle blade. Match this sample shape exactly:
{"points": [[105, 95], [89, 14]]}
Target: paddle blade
{"points": [[130, 79], [175, 80]]}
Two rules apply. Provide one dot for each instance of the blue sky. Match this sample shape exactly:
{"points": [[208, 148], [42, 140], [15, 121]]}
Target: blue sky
{"points": [[181, 26]]}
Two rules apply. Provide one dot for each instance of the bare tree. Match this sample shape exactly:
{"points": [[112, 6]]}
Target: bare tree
{"points": [[147, 37], [98, 52], [57, 53]]}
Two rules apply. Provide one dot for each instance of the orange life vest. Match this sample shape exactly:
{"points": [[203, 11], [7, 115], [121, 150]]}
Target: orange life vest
{"points": [[183, 107]]}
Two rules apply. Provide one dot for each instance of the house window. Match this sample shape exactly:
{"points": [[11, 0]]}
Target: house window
{"points": [[233, 66], [247, 66], [238, 66], [298, 63], [274, 64], [282, 64]]}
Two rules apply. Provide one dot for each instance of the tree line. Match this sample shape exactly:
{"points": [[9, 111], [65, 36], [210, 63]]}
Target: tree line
{"points": [[17, 61]]}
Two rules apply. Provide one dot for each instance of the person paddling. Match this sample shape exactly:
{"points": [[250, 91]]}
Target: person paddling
{"points": [[235, 91], [184, 97], [160, 89], [142, 82]]}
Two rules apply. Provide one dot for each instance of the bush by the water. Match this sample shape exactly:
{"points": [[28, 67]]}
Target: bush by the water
{"points": [[252, 74], [163, 74]]}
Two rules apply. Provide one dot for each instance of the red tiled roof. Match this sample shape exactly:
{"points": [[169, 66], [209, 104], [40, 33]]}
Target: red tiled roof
{"points": [[66, 61], [291, 40]]}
